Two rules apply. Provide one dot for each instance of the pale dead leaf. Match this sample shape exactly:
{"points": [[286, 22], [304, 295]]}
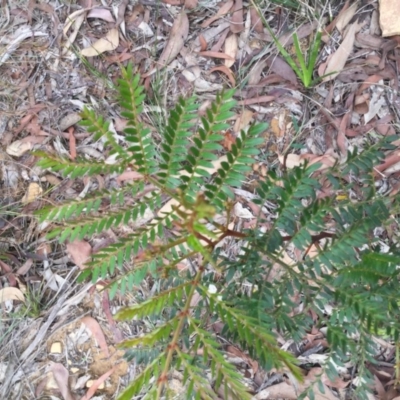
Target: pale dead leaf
{"points": [[71, 19], [345, 17], [11, 293], [101, 13], [129, 176], [69, 120], [97, 332], [242, 212], [18, 148], [231, 49], [34, 192], [108, 43], [74, 20], [243, 121], [291, 160], [254, 75], [225, 8], [61, 376], [179, 33], [79, 251], [339, 58]]}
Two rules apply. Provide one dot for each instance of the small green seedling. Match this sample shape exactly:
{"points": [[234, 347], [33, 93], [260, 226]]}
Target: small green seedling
{"points": [[306, 66]]}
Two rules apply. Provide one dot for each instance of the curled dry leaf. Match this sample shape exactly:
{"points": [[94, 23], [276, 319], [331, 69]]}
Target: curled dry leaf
{"points": [[108, 43], [34, 192], [19, 148], [11, 293], [227, 71], [179, 33]]}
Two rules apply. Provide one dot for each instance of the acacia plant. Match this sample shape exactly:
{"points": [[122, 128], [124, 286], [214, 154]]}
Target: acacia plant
{"points": [[324, 250]]}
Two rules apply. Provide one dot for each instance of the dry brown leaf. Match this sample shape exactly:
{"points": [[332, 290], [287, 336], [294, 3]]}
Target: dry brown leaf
{"points": [[225, 8], [214, 54], [11, 293], [231, 49], [79, 251], [108, 43], [226, 71], [203, 43], [179, 33], [25, 267], [282, 68], [34, 191], [256, 22], [229, 140], [97, 383], [237, 25], [61, 376], [339, 58], [97, 332]]}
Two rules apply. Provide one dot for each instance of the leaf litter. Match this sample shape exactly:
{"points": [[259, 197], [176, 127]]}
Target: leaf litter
{"points": [[48, 76]]}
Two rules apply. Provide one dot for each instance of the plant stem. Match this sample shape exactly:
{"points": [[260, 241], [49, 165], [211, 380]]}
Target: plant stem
{"points": [[173, 344]]}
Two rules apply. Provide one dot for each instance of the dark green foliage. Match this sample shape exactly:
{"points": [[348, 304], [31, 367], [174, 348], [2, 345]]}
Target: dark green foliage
{"points": [[255, 292]]}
